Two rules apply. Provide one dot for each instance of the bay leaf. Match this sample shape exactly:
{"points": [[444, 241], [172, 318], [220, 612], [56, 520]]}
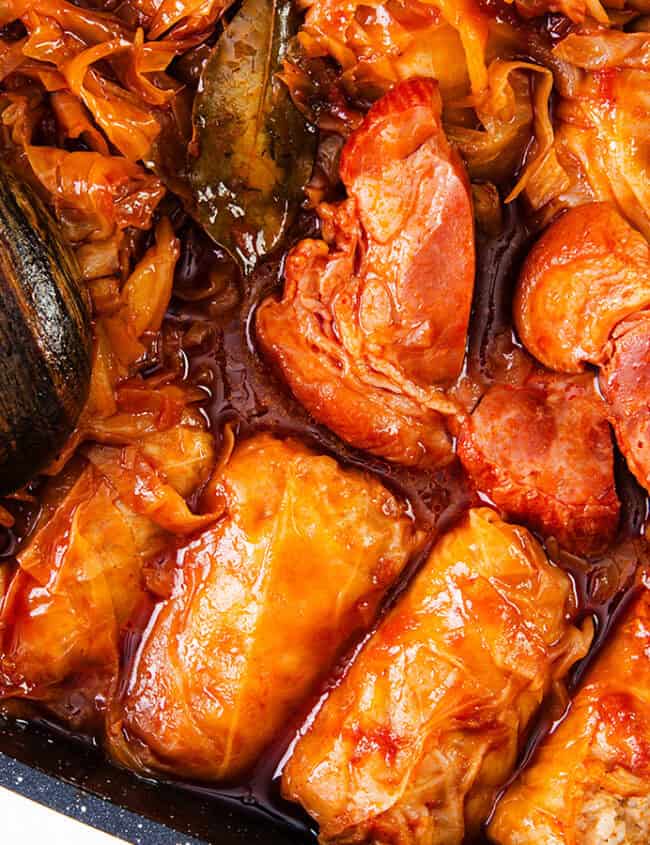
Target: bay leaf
{"points": [[255, 150]]}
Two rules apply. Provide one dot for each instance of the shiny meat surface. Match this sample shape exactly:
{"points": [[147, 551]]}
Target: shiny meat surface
{"points": [[625, 384], [543, 453], [261, 604], [589, 783], [588, 271], [374, 318], [415, 742]]}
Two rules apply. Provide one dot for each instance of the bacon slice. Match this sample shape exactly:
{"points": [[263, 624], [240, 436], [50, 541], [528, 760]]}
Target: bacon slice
{"points": [[80, 578], [625, 383], [588, 271], [373, 318], [543, 454]]}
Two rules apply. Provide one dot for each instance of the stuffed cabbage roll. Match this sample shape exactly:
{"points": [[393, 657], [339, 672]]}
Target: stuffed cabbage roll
{"points": [[543, 453], [417, 739], [374, 318], [589, 783], [262, 603], [80, 578]]}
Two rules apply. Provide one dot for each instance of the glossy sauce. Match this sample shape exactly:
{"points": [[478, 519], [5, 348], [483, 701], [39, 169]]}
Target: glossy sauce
{"points": [[245, 393], [209, 333]]}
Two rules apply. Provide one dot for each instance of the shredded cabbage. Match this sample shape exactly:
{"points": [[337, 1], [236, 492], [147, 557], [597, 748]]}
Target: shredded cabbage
{"points": [[600, 148], [491, 102]]}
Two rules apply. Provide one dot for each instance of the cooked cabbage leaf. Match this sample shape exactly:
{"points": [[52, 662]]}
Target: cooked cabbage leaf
{"points": [[592, 775], [262, 603], [424, 729]]}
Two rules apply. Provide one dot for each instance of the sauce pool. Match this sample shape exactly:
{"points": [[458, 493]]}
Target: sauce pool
{"points": [[214, 342]]}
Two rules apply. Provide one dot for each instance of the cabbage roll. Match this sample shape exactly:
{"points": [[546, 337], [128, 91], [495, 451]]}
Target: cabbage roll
{"points": [[589, 782], [80, 578], [415, 742], [262, 603]]}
